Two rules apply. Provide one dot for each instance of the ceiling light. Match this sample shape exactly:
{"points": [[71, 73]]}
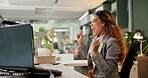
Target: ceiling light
{"points": [[60, 30], [86, 13]]}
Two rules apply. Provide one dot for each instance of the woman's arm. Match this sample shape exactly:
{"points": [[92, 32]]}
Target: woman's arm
{"points": [[108, 64], [83, 50], [81, 47]]}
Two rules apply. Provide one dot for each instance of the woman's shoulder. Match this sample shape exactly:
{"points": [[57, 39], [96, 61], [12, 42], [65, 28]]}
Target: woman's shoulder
{"points": [[112, 40]]}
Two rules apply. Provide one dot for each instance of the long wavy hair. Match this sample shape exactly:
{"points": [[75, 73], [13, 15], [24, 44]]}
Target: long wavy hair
{"points": [[113, 30]]}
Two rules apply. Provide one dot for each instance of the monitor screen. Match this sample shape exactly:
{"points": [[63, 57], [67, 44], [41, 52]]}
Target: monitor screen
{"points": [[55, 45], [16, 46]]}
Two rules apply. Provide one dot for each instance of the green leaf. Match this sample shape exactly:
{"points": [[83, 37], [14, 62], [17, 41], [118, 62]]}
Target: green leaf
{"points": [[42, 29], [59, 58]]}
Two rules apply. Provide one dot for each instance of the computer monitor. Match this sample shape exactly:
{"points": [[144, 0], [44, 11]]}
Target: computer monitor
{"points": [[55, 45], [16, 46]]}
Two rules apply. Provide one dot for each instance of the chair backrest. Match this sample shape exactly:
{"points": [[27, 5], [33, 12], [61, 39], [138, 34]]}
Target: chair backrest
{"points": [[129, 60]]}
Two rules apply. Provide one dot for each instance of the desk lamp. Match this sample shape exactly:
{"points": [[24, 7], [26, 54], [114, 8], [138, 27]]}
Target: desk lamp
{"points": [[139, 37]]}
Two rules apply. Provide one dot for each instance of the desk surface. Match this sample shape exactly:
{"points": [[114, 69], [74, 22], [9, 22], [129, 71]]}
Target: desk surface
{"points": [[67, 72], [76, 63]]}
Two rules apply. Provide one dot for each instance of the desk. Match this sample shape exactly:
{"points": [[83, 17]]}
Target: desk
{"points": [[67, 72], [142, 66], [76, 63]]}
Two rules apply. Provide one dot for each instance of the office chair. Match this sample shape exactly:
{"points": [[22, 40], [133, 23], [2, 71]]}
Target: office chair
{"points": [[129, 60]]}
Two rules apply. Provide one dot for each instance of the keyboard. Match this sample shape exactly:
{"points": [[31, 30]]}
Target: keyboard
{"points": [[33, 73], [13, 74]]}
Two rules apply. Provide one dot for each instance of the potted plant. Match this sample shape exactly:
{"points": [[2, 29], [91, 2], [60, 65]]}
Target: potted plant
{"points": [[44, 47], [145, 49], [128, 38]]}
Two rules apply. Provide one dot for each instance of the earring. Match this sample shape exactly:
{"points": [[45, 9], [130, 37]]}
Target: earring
{"points": [[104, 24]]}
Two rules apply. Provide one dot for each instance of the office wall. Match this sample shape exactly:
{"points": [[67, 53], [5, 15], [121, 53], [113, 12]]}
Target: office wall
{"points": [[122, 13], [140, 16], [119, 8]]}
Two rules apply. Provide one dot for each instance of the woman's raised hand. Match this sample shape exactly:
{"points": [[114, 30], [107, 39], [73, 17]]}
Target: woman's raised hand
{"points": [[95, 46], [79, 38]]}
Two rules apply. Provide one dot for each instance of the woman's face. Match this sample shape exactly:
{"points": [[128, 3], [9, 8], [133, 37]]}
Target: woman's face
{"points": [[97, 26]]}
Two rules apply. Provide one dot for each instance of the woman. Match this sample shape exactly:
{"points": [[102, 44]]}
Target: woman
{"points": [[107, 48]]}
